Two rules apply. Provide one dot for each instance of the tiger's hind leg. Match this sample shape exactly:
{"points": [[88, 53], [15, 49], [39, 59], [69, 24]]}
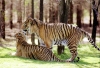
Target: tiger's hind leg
{"points": [[73, 50]]}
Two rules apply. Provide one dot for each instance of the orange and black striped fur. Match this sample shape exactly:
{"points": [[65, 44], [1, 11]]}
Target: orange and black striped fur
{"points": [[33, 51], [57, 33]]}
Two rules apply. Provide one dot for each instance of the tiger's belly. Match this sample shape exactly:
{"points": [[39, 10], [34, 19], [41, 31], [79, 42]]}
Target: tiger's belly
{"points": [[60, 42]]}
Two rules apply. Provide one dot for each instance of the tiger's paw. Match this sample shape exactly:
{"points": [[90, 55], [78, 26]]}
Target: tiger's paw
{"points": [[78, 58]]}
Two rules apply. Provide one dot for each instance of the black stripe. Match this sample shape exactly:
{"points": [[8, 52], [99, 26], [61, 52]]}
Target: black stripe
{"points": [[33, 56], [65, 30], [54, 32], [62, 31], [71, 46], [70, 40]]}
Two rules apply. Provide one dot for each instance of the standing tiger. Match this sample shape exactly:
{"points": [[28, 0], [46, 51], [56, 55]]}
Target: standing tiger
{"points": [[57, 33], [33, 51]]}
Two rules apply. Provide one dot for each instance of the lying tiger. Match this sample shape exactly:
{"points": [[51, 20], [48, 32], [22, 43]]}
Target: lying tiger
{"points": [[33, 51], [57, 33]]}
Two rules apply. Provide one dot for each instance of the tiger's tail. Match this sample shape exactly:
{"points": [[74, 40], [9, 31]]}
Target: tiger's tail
{"points": [[90, 40]]}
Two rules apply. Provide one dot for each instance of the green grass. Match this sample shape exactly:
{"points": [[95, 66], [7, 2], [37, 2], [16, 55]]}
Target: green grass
{"points": [[89, 58]]}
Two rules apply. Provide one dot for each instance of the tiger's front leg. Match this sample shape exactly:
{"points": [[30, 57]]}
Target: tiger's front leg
{"points": [[48, 44], [73, 50]]}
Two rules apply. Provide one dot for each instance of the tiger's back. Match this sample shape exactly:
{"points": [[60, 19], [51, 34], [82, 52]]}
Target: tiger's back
{"points": [[34, 51]]}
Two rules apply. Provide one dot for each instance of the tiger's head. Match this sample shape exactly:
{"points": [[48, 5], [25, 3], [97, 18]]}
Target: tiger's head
{"points": [[20, 36], [30, 25]]}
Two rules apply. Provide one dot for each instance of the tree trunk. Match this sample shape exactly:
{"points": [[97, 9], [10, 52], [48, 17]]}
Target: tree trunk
{"points": [[79, 14], [32, 12], [11, 14], [2, 19], [90, 24], [23, 10], [53, 11], [98, 17], [71, 13], [19, 13], [32, 9], [95, 22], [0, 22], [60, 49], [62, 8], [50, 11], [41, 10], [67, 10]]}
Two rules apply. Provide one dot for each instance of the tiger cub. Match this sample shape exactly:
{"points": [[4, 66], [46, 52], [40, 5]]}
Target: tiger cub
{"points": [[33, 51], [58, 33]]}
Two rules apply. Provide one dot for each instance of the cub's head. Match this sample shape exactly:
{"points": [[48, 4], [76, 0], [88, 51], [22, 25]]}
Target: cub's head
{"points": [[30, 25], [20, 36]]}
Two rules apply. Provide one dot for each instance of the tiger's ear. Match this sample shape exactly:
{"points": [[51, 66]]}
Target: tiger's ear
{"points": [[31, 21], [35, 22]]}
